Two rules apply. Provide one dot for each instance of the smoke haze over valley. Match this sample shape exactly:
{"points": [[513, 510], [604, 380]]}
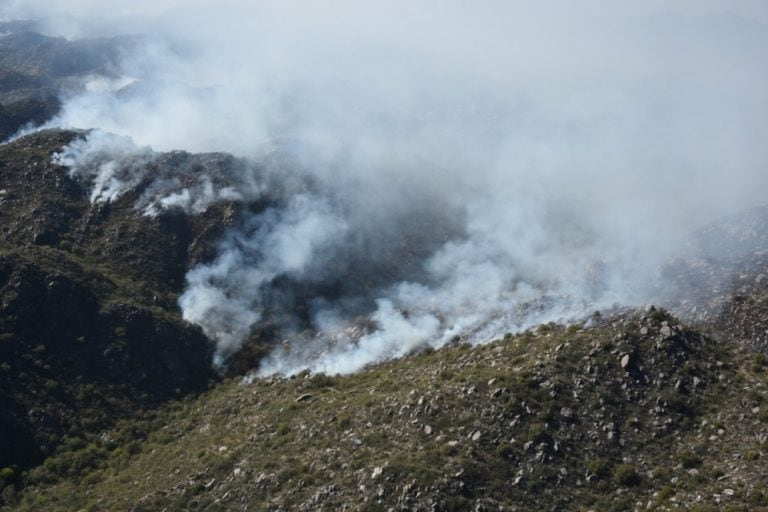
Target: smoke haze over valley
{"points": [[425, 171]]}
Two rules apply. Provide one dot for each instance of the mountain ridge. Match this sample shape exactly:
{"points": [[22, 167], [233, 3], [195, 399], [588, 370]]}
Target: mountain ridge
{"points": [[109, 400]]}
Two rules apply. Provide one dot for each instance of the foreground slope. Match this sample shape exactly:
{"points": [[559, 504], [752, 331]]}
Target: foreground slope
{"points": [[634, 411]]}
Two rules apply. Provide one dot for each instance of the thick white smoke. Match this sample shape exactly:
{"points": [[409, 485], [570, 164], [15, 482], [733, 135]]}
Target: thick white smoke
{"points": [[442, 168], [112, 165], [224, 297]]}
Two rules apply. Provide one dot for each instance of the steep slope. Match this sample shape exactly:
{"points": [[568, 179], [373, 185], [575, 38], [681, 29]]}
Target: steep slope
{"points": [[634, 412], [91, 334], [107, 397], [89, 326], [720, 281]]}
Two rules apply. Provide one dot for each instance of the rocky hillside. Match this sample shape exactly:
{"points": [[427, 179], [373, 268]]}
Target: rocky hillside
{"points": [[635, 412], [583, 417], [89, 327], [109, 402], [720, 281]]}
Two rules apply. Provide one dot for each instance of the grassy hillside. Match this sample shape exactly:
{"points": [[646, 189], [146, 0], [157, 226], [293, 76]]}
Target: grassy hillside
{"points": [[634, 412]]}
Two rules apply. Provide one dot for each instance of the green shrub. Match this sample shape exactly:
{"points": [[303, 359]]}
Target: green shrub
{"points": [[546, 328], [690, 460], [344, 422], [624, 474], [598, 467], [446, 375], [759, 362], [6, 475], [8, 496], [659, 315], [321, 380], [537, 433], [716, 473], [758, 498], [703, 507], [572, 329], [665, 493], [505, 452]]}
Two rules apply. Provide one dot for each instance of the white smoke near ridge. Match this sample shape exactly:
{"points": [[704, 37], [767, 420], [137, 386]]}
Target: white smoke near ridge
{"points": [[111, 164], [447, 164], [284, 243]]}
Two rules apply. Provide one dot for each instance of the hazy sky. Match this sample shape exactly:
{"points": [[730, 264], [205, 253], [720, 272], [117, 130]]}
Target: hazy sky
{"points": [[757, 9]]}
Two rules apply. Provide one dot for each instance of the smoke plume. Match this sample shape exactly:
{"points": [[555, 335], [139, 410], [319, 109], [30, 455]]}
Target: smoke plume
{"points": [[428, 171]]}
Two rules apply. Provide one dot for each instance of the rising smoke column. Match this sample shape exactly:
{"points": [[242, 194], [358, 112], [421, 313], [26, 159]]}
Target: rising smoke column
{"points": [[446, 165]]}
